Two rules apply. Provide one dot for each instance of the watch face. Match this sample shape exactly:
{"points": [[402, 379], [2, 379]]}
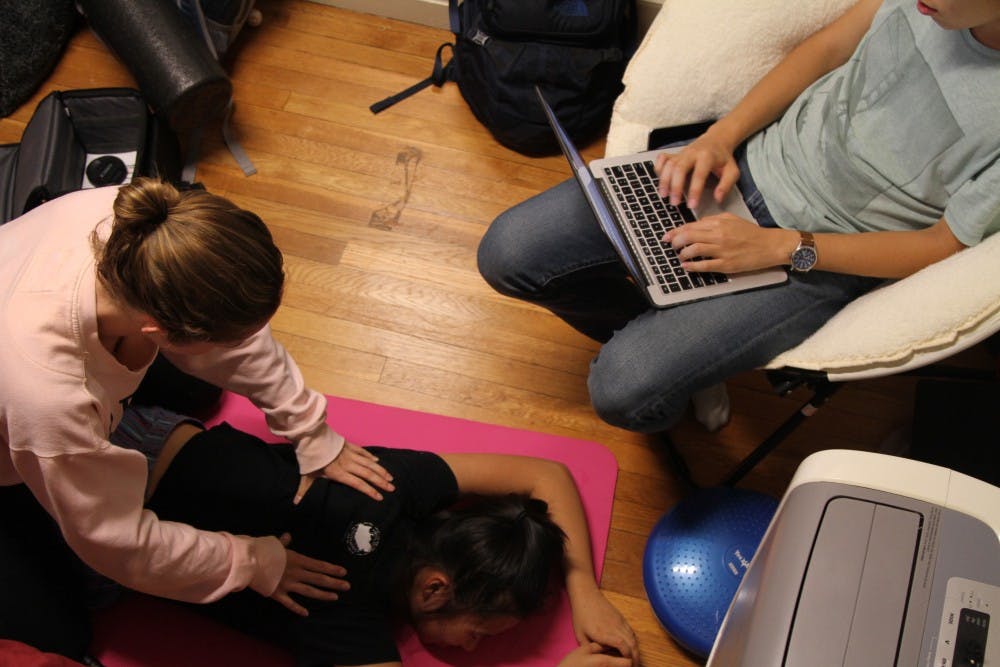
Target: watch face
{"points": [[803, 258]]}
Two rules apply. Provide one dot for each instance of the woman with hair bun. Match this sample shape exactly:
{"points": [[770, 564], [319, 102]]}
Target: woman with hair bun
{"points": [[93, 285]]}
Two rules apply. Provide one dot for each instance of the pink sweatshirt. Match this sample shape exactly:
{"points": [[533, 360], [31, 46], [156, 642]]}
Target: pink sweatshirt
{"points": [[61, 394]]}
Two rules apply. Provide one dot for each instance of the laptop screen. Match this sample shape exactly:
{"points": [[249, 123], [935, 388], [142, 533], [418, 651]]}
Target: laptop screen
{"points": [[591, 189]]}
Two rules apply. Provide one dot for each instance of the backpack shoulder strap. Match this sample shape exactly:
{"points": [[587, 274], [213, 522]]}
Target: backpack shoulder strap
{"points": [[454, 18], [193, 10], [441, 74], [236, 149]]}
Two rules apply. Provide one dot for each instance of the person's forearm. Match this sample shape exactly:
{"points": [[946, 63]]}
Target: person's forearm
{"points": [[553, 483], [261, 369], [875, 254], [818, 54], [97, 498], [559, 490]]}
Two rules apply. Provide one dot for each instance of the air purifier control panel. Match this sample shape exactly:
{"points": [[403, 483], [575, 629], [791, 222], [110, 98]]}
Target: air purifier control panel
{"points": [[966, 638]]}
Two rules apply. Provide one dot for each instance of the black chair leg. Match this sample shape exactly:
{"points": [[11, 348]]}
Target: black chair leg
{"points": [[676, 461], [784, 381], [821, 392]]}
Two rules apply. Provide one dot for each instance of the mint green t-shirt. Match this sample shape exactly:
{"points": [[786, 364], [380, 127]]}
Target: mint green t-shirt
{"points": [[903, 134]]}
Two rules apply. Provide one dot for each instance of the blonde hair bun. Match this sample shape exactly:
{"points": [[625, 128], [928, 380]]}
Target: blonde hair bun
{"points": [[145, 203], [203, 268]]}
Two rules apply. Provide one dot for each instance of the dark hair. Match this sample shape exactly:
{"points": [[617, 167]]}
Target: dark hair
{"points": [[500, 552], [203, 268]]}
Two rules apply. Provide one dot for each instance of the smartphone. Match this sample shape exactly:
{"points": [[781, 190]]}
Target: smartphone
{"points": [[662, 137]]}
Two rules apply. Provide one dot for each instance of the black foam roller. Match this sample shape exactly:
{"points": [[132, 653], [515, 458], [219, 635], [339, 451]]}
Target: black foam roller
{"points": [[176, 72]]}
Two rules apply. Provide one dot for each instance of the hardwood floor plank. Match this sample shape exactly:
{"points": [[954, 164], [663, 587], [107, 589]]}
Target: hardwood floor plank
{"points": [[429, 311], [366, 29], [538, 174], [313, 50]]}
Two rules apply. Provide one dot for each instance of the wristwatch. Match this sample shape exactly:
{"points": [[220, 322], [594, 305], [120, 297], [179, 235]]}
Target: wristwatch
{"points": [[804, 256]]}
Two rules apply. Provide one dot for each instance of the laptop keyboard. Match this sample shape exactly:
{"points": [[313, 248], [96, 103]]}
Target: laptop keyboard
{"points": [[650, 216]]}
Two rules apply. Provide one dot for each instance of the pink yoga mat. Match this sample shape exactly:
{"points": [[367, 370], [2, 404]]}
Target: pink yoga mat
{"points": [[145, 632]]}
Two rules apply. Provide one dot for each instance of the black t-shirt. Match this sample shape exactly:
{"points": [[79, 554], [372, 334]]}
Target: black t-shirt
{"points": [[224, 479]]}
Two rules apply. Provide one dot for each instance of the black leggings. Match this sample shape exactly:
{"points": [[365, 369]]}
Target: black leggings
{"points": [[43, 601]]}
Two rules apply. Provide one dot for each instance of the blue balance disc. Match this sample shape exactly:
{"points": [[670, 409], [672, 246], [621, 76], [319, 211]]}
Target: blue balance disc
{"points": [[695, 559]]}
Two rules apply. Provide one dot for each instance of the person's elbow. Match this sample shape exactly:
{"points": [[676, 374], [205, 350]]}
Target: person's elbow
{"points": [[942, 242], [558, 470], [548, 476]]}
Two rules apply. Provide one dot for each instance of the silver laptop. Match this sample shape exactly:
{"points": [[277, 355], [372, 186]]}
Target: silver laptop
{"points": [[622, 193]]}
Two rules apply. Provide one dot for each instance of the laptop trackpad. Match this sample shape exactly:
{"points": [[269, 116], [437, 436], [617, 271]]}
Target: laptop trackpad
{"points": [[733, 203]]}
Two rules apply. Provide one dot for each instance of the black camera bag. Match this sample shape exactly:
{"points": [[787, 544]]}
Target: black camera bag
{"points": [[84, 138]]}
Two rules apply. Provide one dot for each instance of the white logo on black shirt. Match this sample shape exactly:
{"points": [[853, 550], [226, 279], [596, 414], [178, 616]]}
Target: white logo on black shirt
{"points": [[362, 538]]}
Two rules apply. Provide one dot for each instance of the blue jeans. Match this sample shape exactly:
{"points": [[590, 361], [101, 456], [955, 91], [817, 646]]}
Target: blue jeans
{"points": [[550, 251]]}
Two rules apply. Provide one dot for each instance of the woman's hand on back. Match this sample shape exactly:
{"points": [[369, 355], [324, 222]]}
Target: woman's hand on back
{"points": [[357, 468], [309, 577]]}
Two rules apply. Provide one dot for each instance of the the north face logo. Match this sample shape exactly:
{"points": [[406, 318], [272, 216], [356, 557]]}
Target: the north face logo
{"points": [[362, 538]]}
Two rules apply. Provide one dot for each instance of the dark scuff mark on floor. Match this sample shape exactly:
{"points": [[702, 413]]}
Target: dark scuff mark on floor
{"points": [[405, 174]]}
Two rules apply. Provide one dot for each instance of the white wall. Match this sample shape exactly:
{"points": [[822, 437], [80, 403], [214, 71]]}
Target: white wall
{"points": [[435, 12]]}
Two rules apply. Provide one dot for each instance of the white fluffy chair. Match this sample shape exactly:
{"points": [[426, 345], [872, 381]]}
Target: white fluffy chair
{"points": [[695, 63]]}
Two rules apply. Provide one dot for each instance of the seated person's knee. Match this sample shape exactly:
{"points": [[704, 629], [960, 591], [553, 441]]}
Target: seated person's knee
{"points": [[625, 396], [498, 255]]}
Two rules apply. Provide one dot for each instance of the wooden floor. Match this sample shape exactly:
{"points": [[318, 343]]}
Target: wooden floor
{"points": [[379, 218]]}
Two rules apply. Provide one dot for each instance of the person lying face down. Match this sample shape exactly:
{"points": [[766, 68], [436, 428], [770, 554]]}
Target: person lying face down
{"points": [[457, 567]]}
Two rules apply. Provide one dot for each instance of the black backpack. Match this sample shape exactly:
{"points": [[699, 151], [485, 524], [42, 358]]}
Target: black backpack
{"points": [[217, 21], [574, 50]]}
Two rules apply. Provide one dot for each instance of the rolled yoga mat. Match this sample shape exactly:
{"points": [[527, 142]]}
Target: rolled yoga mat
{"points": [[176, 72]]}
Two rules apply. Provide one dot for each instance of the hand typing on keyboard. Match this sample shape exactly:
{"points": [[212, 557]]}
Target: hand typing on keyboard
{"points": [[708, 154], [649, 215], [729, 244]]}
